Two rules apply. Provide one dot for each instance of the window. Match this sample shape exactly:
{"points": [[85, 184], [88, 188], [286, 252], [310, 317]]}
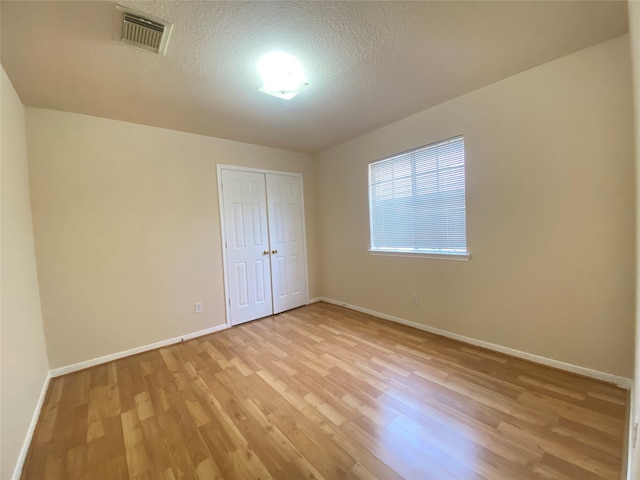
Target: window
{"points": [[417, 201]]}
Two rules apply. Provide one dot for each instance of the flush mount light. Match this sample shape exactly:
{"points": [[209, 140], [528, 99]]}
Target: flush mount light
{"points": [[282, 74]]}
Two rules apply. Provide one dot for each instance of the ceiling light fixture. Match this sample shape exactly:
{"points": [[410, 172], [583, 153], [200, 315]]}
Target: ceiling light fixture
{"points": [[282, 74]]}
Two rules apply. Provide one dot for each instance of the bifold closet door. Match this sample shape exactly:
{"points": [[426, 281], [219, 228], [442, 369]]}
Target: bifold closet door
{"points": [[286, 235], [264, 243], [247, 245]]}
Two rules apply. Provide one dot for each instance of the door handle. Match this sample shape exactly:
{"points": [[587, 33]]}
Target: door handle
{"points": [[274, 251], [266, 252]]}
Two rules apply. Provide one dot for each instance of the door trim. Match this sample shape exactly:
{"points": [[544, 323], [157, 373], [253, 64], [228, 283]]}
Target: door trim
{"points": [[223, 235]]}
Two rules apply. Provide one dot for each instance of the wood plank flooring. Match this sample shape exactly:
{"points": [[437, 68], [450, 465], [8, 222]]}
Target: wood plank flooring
{"points": [[324, 392]]}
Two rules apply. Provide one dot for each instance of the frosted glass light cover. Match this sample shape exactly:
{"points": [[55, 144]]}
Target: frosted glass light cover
{"points": [[282, 74]]}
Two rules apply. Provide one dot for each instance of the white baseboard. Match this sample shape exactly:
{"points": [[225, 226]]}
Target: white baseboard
{"points": [[317, 299], [17, 471], [56, 372], [621, 382]]}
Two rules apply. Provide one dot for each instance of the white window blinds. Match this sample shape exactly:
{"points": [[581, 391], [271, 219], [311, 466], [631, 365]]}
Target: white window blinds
{"points": [[417, 201]]}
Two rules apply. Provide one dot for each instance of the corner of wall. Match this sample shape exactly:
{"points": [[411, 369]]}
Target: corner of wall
{"points": [[24, 363], [633, 456]]}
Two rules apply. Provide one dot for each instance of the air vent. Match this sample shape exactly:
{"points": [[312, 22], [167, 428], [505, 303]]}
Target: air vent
{"points": [[145, 32]]}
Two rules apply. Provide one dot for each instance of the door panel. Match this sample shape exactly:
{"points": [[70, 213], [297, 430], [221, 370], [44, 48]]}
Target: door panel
{"points": [[289, 280], [242, 284], [260, 275], [246, 230]]}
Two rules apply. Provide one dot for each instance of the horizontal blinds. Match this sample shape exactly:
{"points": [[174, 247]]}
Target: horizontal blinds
{"points": [[417, 200]]}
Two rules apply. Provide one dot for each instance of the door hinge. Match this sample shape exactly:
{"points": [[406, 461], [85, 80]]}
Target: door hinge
{"points": [[229, 302], [634, 434]]}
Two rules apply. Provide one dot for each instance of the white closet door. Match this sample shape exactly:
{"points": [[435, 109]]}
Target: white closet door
{"points": [[286, 231], [247, 245]]}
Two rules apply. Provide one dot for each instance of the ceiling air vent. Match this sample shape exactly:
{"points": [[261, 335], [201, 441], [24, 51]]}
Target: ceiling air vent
{"points": [[142, 31]]}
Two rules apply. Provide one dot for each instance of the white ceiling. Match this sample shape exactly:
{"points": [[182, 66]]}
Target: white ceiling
{"points": [[369, 63]]}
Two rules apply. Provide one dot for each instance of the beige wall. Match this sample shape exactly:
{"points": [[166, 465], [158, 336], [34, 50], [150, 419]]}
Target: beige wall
{"points": [[23, 355], [550, 215], [127, 230], [634, 34]]}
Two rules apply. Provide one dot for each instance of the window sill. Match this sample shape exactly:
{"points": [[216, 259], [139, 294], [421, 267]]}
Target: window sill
{"points": [[456, 257]]}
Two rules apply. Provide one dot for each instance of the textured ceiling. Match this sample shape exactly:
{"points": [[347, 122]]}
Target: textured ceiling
{"points": [[369, 63]]}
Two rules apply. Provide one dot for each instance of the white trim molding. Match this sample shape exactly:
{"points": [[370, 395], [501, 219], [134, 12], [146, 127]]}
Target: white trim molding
{"points": [[17, 471], [457, 257], [56, 372], [630, 447], [622, 382]]}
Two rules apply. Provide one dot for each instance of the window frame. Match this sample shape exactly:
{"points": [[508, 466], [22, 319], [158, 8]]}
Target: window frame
{"points": [[413, 252]]}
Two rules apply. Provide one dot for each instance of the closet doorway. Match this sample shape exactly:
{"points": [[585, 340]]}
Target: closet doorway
{"points": [[263, 241]]}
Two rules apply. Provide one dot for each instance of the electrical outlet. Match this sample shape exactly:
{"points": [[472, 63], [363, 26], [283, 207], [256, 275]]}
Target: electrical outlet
{"points": [[198, 307], [416, 299]]}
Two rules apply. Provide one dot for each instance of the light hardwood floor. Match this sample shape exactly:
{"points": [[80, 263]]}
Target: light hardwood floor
{"points": [[324, 392]]}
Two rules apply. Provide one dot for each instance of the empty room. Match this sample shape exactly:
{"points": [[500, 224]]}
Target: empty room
{"points": [[319, 240]]}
